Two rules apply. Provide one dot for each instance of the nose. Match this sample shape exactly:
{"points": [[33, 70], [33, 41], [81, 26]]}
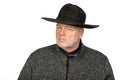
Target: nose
{"points": [[62, 31]]}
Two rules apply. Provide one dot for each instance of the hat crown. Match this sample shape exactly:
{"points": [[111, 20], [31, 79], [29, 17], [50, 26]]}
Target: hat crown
{"points": [[72, 13]]}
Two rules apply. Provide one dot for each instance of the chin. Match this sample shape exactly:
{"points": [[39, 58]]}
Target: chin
{"points": [[62, 45]]}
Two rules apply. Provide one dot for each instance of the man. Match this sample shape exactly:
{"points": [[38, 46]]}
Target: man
{"points": [[69, 59]]}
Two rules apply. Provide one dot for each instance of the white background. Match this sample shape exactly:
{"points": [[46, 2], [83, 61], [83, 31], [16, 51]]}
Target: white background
{"points": [[22, 30]]}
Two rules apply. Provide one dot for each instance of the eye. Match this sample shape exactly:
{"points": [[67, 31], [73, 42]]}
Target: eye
{"points": [[70, 28]]}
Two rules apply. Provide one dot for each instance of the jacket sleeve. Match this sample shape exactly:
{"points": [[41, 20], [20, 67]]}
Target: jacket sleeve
{"points": [[109, 71], [26, 71]]}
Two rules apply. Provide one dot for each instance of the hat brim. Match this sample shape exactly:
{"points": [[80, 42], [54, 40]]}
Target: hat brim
{"points": [[70, 23]]}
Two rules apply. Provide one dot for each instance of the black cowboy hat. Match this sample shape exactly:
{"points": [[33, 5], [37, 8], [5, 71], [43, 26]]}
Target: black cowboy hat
{"points": [[72, 15]]}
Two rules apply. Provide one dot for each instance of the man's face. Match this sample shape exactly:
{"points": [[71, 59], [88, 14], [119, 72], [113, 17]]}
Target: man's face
{"points": [[68, 36]]}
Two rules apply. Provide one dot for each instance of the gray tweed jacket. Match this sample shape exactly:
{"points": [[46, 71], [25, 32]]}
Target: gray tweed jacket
{"points": [[50, 63]]}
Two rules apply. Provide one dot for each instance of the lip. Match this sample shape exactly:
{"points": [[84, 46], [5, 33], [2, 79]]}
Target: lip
{"points": [[61, 40]]}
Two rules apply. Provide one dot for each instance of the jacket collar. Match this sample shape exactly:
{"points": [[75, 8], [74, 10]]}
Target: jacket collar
{"points": [[75, 53]]}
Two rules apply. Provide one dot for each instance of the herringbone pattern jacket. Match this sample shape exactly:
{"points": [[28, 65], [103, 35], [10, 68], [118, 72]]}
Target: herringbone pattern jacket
{"points": [[50, 63]]}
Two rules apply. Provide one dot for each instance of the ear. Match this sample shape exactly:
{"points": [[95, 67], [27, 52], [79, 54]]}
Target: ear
{"points": [[81, 32]]}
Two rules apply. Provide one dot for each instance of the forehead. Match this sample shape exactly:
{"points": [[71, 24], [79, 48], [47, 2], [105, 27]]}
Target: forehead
{"points": [[66, 25]]}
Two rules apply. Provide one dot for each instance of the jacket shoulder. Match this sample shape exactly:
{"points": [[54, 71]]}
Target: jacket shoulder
{"points": [[94, 54], [43, 52]]}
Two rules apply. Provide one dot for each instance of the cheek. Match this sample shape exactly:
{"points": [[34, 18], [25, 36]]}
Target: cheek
{"points": [[70, 37], [76, 37]]}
